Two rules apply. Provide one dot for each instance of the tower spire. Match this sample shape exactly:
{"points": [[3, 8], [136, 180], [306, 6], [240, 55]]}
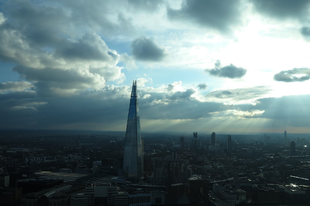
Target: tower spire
{"points": [[133, 154]]}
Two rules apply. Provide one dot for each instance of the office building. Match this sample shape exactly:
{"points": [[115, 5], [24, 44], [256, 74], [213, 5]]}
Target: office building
{"points": [[213, 138], [133, 154], [182, 142], [195, 141], [292, 147], [229, 146]]}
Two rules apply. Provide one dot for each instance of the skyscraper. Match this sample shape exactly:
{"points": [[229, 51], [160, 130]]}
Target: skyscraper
{"points": [[229, 146], [195, 144], [213, 138], [133, 154], [292, 147], [182, 142]]}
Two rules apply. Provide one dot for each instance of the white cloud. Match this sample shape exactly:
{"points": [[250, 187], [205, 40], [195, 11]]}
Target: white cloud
{"points": [[2, 19], [142, 81], [129, 61]]}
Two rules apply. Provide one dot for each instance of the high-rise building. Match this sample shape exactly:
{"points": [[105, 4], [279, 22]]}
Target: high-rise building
{"points": [[292, 147], [213, 138], [285, 135], [133, 154], [229, 146], [195, 141], [182, 142]]}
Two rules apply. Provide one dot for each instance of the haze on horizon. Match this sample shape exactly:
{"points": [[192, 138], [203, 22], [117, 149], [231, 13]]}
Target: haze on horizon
{"points": [[228, 66]]}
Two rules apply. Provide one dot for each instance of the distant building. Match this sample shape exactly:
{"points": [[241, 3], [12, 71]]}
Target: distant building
{"points": [[229, 146], [285, 135], [182, 142], [195, 141], [169, 171], [133, 154], [292, 147], [213, 138], [174, 155]]}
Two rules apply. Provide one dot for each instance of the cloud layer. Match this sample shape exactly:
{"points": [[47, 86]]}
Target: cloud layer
{"points": [[294, 75]]}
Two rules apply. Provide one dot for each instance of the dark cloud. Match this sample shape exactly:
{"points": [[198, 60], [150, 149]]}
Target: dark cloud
{"points": [[229, 71], [58, 34], [170, 87], [186, 95], [24, 95], [89, 47], [226, 92], [45, 112], [221, 94], [240, 94], [293, 75], [40, 26], [17, 109], [202, 86], [283, 8], [96, 17], [219, 15], [305, 32], [145, 49], [42, 42], [88, 55], [58, 80], [106, 107]]}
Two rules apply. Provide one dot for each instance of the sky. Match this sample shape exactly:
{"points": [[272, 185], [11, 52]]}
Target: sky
{"points": [[201, 65]]}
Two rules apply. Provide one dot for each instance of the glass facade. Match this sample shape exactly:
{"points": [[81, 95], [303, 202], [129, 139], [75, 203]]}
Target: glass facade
{"points": [[133, 154]]}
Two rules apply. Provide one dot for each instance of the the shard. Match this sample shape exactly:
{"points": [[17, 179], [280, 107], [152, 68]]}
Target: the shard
{"points": [[133, 151]]}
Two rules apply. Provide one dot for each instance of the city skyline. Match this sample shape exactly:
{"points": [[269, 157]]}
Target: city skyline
{"points": [[207, 66]]}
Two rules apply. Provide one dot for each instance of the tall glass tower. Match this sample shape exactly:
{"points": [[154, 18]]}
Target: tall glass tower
{"points": [[229, 146], [213, 138], [133, 154]]}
